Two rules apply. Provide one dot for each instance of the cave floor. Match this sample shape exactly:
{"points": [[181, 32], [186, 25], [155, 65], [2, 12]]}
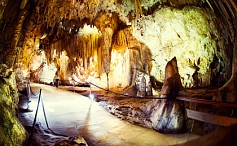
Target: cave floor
{"points": [[72, 114]]}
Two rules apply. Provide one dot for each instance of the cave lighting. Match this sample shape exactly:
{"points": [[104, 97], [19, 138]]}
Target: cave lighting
{"points": [[92, 97]]}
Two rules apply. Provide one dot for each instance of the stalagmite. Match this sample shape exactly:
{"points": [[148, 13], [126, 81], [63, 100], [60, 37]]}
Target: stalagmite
{"points": [[106, 51], [172, 84], [121, 38], [167, 115]]}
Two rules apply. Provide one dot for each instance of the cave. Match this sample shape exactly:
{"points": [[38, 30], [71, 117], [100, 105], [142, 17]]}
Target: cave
{"points": [[118, 72]]}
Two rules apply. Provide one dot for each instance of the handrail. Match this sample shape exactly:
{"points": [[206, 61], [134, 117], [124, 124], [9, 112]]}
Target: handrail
{"points": [[130, 96], [120, 94], [61, 80], [205, 101], [29, 86]]}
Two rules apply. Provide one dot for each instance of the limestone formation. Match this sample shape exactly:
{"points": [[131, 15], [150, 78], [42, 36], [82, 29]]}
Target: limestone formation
{"points": [[195, 71], [167, 115], [100, 41], [11, 130], [195, 41], [143, 84], [172, 84]]}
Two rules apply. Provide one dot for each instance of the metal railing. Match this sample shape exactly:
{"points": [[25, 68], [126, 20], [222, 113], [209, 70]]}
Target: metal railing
{"points": [[40, 99]]}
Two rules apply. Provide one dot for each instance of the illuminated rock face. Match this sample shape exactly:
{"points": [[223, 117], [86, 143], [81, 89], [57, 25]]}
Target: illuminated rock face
{"points": [[191, 35], [11, 131]]}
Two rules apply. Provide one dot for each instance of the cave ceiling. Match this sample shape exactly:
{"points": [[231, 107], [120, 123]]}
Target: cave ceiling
{"points": [[48, 15]]}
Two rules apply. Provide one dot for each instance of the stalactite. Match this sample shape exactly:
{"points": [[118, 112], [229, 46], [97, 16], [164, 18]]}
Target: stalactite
{"points": [[122, 38], [96, 45], [87, 46], [91, 45], [84, 54], [80, 50], [99, 58], [138, 8]]}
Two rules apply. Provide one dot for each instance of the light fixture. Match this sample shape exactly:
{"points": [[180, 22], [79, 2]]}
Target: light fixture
{"points": [[91, 96]]}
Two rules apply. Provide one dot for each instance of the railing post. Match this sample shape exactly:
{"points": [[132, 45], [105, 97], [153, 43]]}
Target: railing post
{"points": [[28, 90], [73, 85], [36, 112]]}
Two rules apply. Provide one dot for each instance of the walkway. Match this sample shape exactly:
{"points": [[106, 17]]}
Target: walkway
{"points": [[72, 114]]}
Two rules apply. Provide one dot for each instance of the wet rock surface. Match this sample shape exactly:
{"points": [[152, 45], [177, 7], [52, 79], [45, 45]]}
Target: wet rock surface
{"points": [[168, 116], [126, 108]]}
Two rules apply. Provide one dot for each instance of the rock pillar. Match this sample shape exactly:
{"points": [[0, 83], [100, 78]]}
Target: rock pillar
{"points": [[167, 114]]}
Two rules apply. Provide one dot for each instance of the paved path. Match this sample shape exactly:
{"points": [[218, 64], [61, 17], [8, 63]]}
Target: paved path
{"points": [[72, 114]]}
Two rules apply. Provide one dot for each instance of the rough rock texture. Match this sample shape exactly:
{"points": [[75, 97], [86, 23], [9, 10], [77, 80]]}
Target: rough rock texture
{"points": [[149, 3], [163, 115], [166, 116], [162, 29], [191, 34], [172, 84], [2, 7], [126, 108], [11, 131]]}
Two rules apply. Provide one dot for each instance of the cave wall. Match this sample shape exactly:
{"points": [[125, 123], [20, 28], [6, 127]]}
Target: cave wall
{"points": [[193, 36], [2, 7], [11, 130]]}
